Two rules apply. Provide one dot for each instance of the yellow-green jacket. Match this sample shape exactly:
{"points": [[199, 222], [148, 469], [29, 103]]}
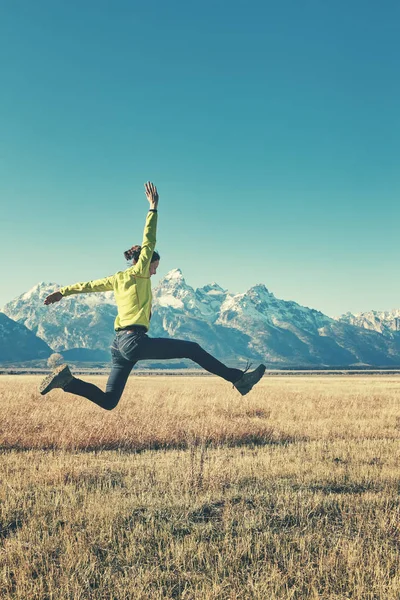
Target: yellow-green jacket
{"points": [[132, 288]]}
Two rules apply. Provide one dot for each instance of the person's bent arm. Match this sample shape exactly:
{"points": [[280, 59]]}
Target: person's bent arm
{"points": [[97, 285], [149, 236]]}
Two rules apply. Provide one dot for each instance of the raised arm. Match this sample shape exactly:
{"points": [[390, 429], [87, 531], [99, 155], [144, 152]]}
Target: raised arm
{"points": [[97, 285], [149, 236]]}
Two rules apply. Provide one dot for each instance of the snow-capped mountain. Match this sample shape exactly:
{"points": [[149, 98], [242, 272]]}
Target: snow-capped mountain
{"points": [[286, 332], [233, 327], [174, 292], [182, 312], [18, 343], [81, 321], [385, 322], [274, 324]]}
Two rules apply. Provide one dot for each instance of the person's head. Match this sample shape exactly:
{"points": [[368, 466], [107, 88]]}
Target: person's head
{"points": [[133, 255]]}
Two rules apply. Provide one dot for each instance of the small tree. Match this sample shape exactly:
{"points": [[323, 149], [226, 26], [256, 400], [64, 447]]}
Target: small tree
{"points": [[54, 360]]}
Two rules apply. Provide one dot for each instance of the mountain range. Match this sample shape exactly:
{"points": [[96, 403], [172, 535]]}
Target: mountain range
{"points": [[385, 322], [253, 325]]}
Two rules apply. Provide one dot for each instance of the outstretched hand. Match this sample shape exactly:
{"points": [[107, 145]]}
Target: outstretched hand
{"points": [[54, 297], [152, 194]]}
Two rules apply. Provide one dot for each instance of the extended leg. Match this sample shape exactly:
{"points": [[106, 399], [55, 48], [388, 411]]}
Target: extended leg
{"points": [[166, 348], [109, 399]]}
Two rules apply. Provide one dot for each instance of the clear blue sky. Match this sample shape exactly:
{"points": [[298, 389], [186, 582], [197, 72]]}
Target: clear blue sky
{"points": [[271, 129]]}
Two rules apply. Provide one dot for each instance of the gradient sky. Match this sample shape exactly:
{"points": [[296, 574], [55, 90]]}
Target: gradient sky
{"points": [[272, 130]]}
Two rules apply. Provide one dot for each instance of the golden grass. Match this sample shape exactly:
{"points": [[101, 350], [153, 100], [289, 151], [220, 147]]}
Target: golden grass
{"points": [[187, 490]]}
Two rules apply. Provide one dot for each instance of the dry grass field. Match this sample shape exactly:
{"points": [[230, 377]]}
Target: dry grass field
{"points": [[187, 490]]}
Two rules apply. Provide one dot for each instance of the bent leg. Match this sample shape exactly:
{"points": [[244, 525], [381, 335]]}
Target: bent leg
{"points": [[167, 348], [109, 399]]}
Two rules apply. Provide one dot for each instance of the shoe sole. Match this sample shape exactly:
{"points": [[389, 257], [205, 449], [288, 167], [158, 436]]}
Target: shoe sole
{"points": [[52, 381]]}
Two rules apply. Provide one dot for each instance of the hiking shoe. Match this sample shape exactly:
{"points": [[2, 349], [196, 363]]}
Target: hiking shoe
{"points": [[59, 378], [248, 380]]}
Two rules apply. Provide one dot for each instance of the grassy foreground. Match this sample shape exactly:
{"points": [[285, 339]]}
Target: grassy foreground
{"points": [[187, 490]]}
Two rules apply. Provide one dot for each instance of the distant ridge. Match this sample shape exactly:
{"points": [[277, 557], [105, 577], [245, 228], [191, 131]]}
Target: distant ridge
{"points": [[18, 343], [385, 322]]}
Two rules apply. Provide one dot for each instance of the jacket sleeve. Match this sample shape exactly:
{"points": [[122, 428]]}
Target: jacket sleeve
{"points": [[97, 285], [148, 245]]}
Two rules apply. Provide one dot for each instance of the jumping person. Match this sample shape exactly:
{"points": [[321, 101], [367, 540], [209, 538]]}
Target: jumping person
{"points": [[132, 290]]}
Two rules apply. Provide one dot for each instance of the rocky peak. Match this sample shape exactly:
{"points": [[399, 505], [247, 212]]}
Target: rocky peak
{"points": [[173, 277], [212, 289]]}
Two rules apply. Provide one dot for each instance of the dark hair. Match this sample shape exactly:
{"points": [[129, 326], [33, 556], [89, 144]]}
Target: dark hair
{"points": [[134, 253]]}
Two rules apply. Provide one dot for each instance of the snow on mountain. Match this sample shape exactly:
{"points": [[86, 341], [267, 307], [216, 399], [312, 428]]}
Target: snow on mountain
{"points": [[80, 321], [173, 292], [260, 304], [280, 330], [385, 322], [254, 325], [182, 312]]}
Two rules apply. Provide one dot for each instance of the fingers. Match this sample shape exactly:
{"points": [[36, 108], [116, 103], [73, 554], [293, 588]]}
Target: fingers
{"points": [[151, 190]]}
